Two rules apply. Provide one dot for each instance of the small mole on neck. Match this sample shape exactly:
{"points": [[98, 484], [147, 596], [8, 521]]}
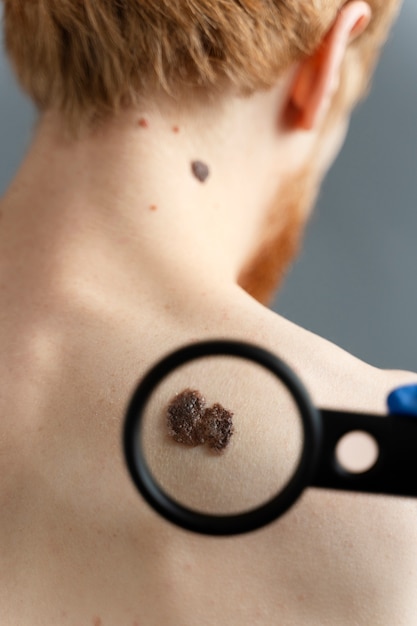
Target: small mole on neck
{"points": [[143, 123], [200, 170]]}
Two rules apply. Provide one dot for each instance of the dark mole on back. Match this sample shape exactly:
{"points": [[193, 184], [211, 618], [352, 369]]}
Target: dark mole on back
{"points": [[200, 170], [192, 424]]}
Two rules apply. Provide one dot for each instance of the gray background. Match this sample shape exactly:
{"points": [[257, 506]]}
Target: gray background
{"points": [[355, 281]]}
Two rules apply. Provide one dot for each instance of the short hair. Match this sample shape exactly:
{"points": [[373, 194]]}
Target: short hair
{"points": [[89, 59]]}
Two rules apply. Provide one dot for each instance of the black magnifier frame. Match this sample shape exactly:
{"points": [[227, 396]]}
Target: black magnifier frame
{"points": [[220, 524], [393, 473]]}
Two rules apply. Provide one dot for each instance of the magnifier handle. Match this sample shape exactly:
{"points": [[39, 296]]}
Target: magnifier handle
{"points": [[395, 471]]}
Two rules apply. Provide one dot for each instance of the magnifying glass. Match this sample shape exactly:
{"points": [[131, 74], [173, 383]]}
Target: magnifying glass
{"points": [[221, 438]]}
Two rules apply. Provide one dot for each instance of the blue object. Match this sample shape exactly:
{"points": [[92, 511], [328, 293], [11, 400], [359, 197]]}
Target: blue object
{"points": [[403, 401]]}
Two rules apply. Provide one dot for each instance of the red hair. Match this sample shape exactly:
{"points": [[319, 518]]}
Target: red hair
{"points": [[91, 58]]}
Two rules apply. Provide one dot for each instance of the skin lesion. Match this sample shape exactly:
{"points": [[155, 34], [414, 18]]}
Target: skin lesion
{"points": [[143, 122], [200, 170], [191, 423]]}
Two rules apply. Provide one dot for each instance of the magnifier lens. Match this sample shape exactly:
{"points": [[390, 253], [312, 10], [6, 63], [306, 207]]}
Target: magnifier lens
{"points": [[221, 435]]}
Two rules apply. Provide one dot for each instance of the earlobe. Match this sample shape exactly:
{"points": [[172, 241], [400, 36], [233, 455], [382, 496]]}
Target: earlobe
{"points": [[317, 76]]}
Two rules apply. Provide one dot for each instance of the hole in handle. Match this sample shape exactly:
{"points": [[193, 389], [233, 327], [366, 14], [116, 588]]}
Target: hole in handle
{"points": [[357, 452]]}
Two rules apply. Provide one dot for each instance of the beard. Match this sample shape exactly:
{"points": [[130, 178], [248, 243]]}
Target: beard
{"points": [[281, 236]]}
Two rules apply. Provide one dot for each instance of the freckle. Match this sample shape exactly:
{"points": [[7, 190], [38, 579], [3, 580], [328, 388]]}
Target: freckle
{"points": [[143, 123], [97, 621], [200, 170], [153, 207], [175, 129]]}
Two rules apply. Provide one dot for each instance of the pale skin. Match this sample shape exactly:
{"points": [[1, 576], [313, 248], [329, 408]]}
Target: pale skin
{"points": [[112, 254]]}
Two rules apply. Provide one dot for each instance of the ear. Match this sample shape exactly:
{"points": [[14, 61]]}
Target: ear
{"points": [[317, 76]]}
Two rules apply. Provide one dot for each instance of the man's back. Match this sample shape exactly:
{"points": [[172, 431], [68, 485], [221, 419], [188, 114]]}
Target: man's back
{"points": [[138, 210], [78, 545]]}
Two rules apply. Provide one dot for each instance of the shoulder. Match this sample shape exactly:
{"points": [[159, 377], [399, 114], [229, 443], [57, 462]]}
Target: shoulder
{"points": [[333, 377]]}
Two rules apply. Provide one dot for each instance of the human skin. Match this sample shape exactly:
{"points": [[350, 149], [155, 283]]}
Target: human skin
{"points": [[112, 254]]}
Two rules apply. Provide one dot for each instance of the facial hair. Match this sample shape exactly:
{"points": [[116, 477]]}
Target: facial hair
{"points": [[281, 236]]}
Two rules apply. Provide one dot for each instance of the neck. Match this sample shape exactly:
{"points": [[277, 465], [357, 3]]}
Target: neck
{"points": [[128, 202]]}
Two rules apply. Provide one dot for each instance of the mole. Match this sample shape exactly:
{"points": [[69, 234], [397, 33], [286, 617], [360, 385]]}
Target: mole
{"points": [[218, 427], [143, 123], [191, 423], [184, 417], [200, 170]]}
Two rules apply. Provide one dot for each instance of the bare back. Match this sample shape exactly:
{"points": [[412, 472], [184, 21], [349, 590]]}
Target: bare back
{"points": [[78, 545]]}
